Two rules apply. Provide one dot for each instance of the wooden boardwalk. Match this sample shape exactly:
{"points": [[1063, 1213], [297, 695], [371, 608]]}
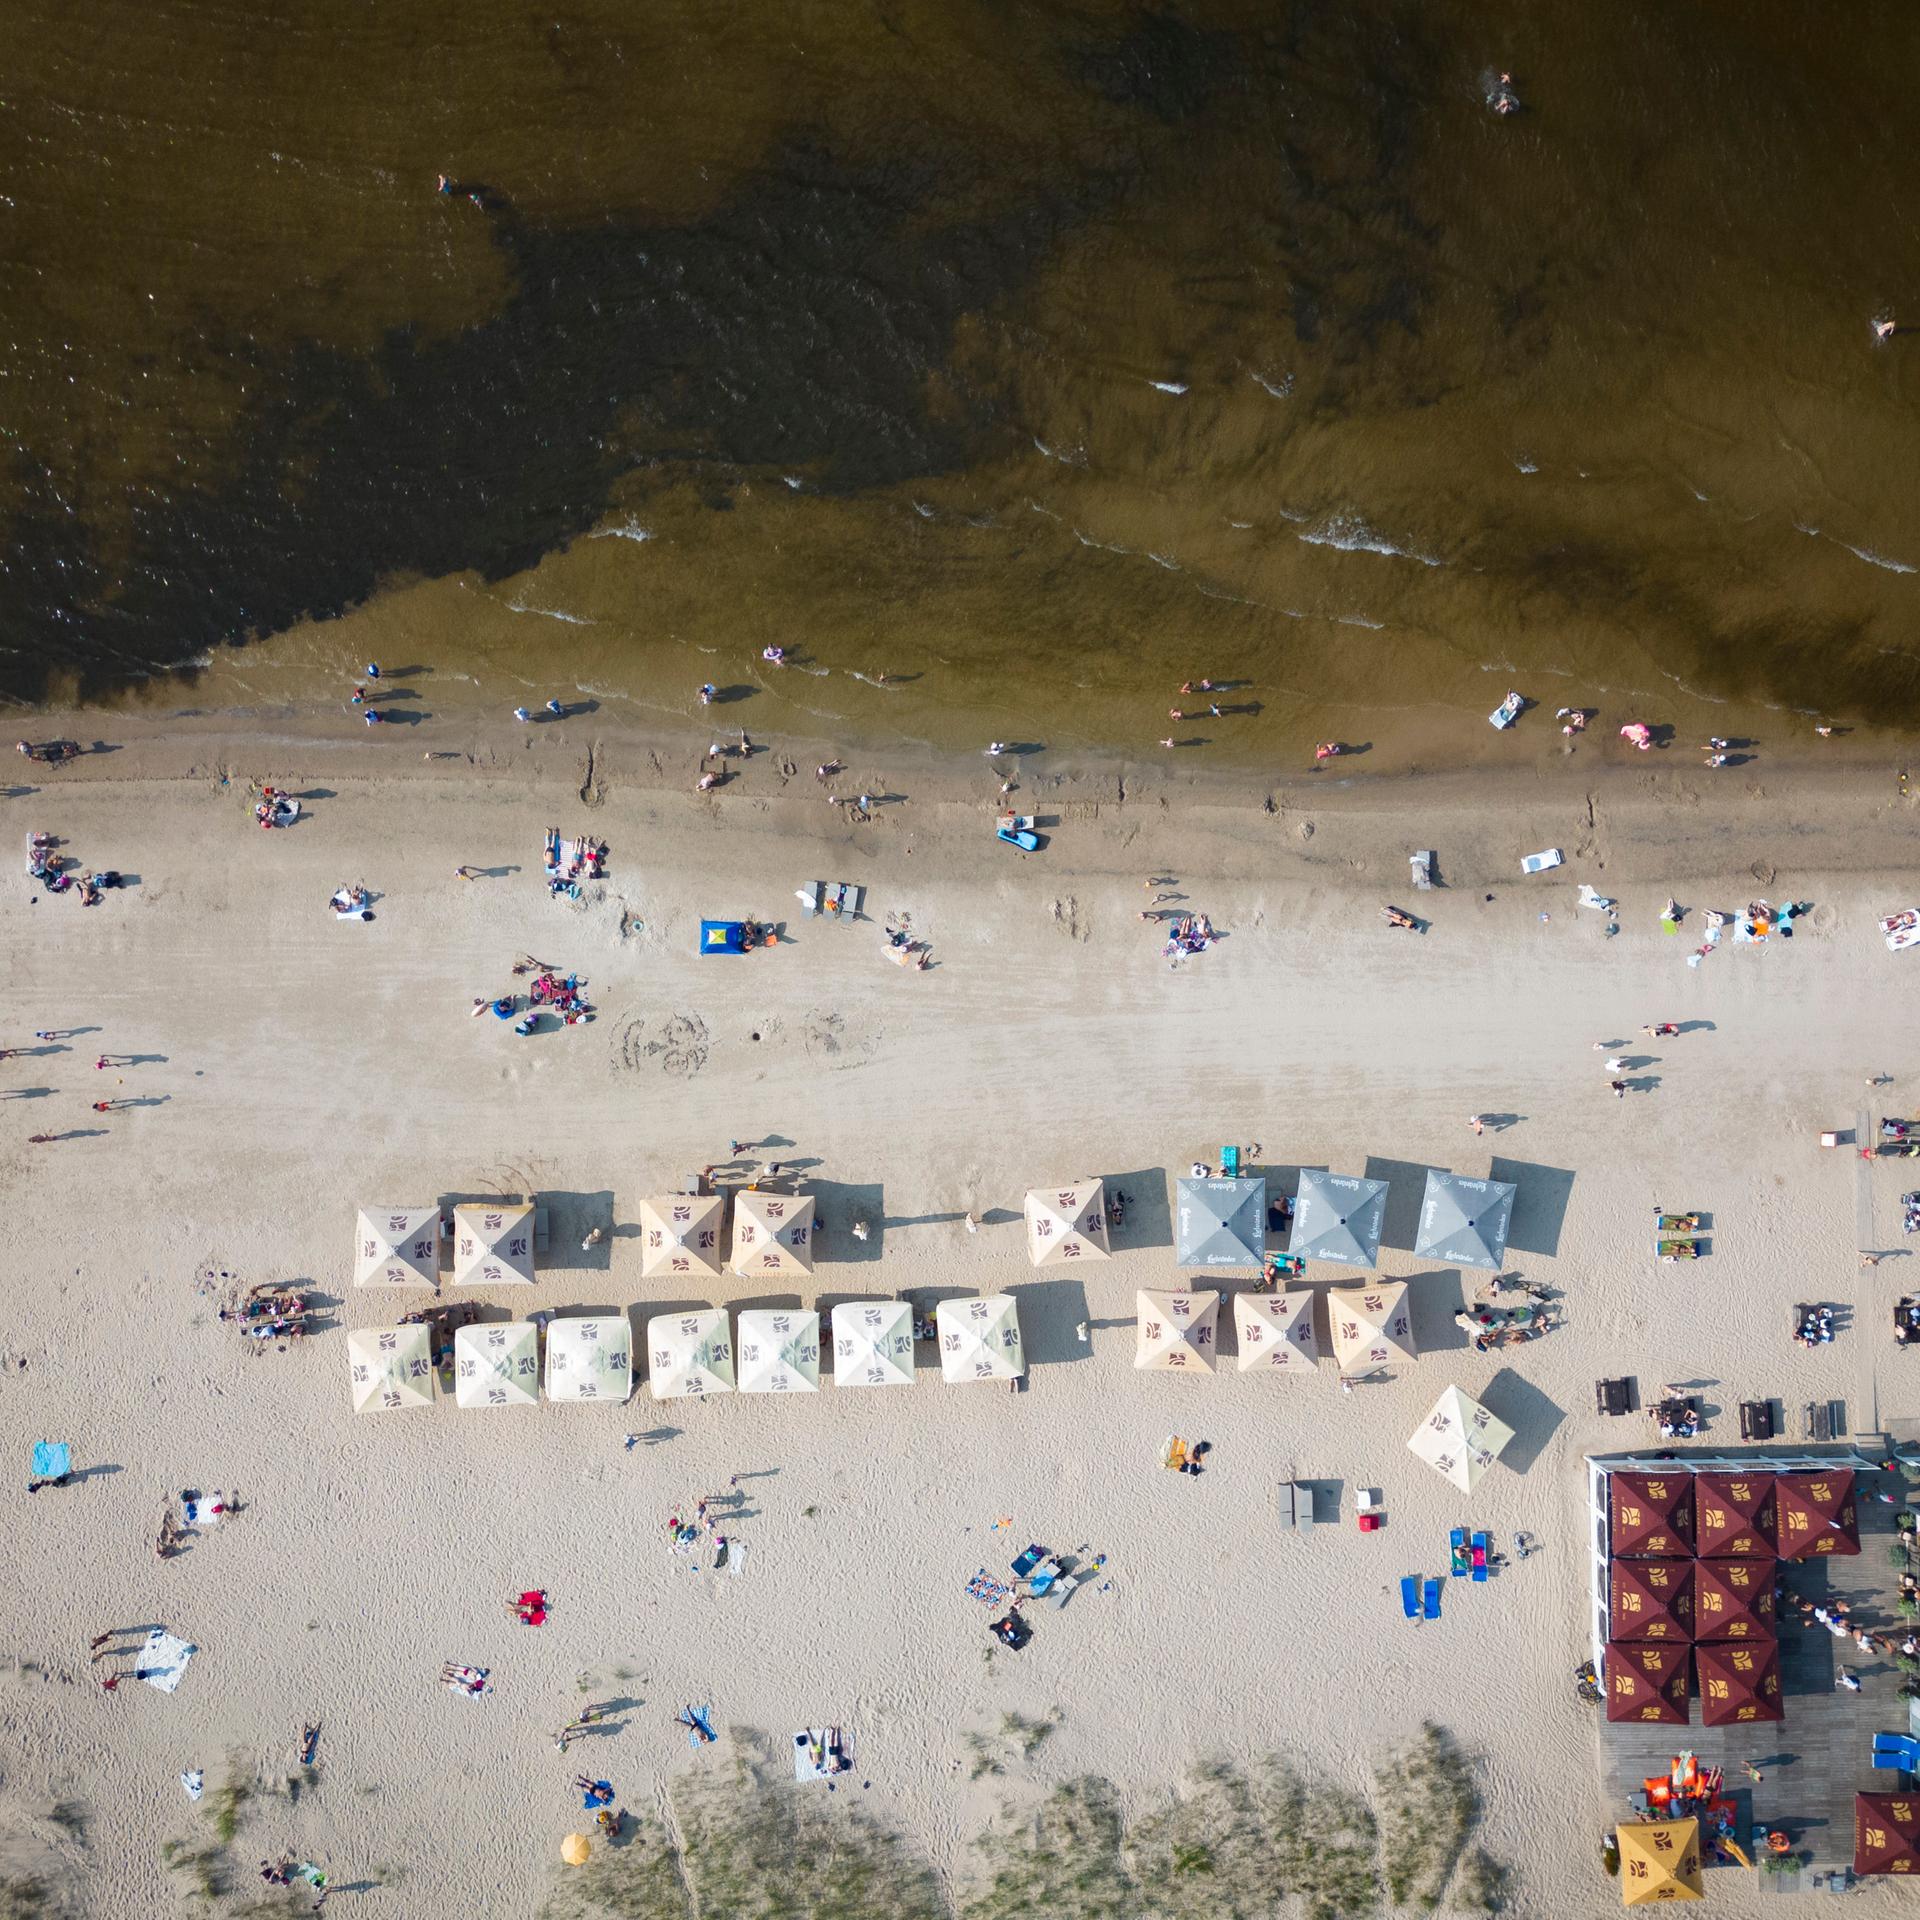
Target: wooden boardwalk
{"points": [[1817, 1758]]}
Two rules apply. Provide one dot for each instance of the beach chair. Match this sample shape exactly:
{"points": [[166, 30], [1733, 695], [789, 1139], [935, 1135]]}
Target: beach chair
{"points": [[1430, 1599], [1422, 865], [1756, 1419], [1480, 1559], [1613, 1396], [1287, 1506], [1896, 1752], [1457, 1546], [1028, 1561], [1303, 1506], [1819, 1419], [1230, 1163], [1410, 1595]]}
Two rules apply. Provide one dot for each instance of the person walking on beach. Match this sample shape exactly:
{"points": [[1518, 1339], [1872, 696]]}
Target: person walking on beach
{"points": [[1848, 1679], [707, 691], [1477, 1122], [556, 709], [1619, 1089]]}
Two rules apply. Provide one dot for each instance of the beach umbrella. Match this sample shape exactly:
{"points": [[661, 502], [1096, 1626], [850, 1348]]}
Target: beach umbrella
{"points": [[1220, 1223], [590, 1357], [390, 1368], [1647, 1681], [1659, 1861], [1733, 1516], [1732, 1599], [1337, 1216], [1459, 1439], [779, 1349], [1372, 1326], [1275, 1331], [1650, 1515], [497, 1365], [493, 1244], [680, 1233], [1067, 1224], [1815, 1514], [1175, 1330], [772, 1233], [575, 1849], [1886, 1833], [873, 1343], [1739, 1685], [1650, 1600], [1464, 1222], [689, 1355], [980, 1339], [397, 1247]]}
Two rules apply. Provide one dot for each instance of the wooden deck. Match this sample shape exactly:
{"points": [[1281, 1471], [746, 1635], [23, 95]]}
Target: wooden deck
{"points": [[1817, 1758]]}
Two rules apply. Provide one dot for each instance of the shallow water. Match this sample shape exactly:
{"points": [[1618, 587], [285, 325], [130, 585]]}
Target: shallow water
{"points": [[1036, 358]]}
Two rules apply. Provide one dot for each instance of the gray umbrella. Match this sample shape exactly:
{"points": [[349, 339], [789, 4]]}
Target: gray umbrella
{"points": [[1464, 1222], [1220, 1223], [1337, 1217]]}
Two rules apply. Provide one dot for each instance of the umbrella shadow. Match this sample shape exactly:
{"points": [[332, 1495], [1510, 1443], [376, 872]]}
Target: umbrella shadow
{"points": [[571, 1216], [1539, 1203], [1432, 1300], [840, 1205], [1051, 1313], [1148, 1219], [1406, 1189], [1533, 1417]]}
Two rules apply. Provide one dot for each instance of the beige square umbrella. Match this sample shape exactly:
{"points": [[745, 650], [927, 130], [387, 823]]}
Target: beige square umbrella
{"points": [[1067, 1224], [1275, 1331], [980, 1339], [1460, 1439], [1175, 1330], [772, 1233], [391, 1368], [493, 1244], [680, 1233], [497, 1365], [689, 1355], [590, 1358], [778, 1349], [397, 1247], [1372, 1326], [873, 1343]]}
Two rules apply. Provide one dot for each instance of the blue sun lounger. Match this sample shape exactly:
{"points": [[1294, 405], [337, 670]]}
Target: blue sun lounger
{"points": [[1410, 1595], [1896, 1752], [1481, 1543], [1430, 1600]]}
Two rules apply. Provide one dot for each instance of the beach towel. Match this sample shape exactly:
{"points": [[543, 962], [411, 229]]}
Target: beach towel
{"points": [[195, 1782], [816, 1753], [162, 1660], [983, 1586]]}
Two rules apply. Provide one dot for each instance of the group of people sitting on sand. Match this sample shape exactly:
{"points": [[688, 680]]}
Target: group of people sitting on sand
{"points": [[56, 875], [580, 859], [1192, 933], [269, 1312]]}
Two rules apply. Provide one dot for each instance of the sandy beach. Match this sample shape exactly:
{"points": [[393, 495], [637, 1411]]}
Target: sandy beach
{"points": [[299, 1066]]}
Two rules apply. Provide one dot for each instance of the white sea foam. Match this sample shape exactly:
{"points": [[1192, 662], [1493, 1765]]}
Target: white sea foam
{"points": [[549, 613], [1351, 534], [1877, 559], [633, 530], [1168, 386], [1280, 389]]}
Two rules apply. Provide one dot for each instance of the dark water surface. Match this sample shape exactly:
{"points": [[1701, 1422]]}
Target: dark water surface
{"points": [[838, 326]]}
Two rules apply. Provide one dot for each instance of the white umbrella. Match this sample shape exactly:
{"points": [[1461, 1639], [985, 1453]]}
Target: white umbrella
{"points": [[497, 1364], [980, 1339], [680, 1233], [1175, 1330], [873, 1343], [1275, 1332], [397, 1247], [493, 1244], [1460, 1439], [590, 1357], [772, 1233], [779, 1350], [689, 1355], [390, 1367], [1067, 1224], [1372, 1326]]}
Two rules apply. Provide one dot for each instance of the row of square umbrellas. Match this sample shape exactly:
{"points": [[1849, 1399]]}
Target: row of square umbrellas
{"points": [[692, 1354]]}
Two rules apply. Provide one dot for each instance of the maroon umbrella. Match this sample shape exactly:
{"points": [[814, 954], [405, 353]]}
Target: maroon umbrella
{"points": [[1738, 1684], [1646, 1681], [1650, 1600], [1815, 1514], [1652, 1515], [1886, 1833], [1733, 1600], [1733, 1516]]}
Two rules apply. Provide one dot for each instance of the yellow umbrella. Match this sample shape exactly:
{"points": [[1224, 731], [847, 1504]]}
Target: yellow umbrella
{"points": [[574, 1849], [1659, 1860]]}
